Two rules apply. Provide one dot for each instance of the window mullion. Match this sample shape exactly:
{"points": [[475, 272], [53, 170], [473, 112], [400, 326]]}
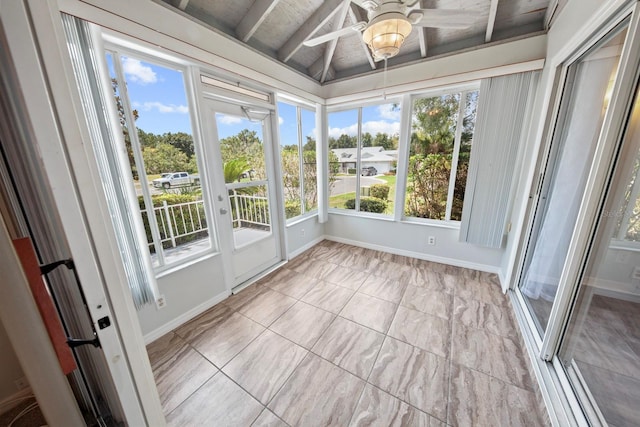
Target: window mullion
{"points": [[303, 199], [456, 151], [402, 167], [358, 158], [137, 156]]}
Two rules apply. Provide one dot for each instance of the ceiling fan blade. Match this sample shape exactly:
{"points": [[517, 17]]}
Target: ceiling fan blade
{"points": [[442, 18], [346, 31]]}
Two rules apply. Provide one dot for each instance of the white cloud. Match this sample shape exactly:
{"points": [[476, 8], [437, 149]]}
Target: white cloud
{"points": [[228, 120], [163, 108], [280, 120], [386, 111], [138, 73], [373, 127]]}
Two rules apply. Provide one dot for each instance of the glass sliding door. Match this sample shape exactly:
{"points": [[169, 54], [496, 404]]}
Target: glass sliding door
{"points": [[601, 347], [589, 81]]}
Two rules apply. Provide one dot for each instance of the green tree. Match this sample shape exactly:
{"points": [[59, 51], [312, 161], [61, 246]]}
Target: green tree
{"points": [[182, 141], [164, 158], [125, 128], [310, 145], [383, 140], [367, 140], [246, 144]]}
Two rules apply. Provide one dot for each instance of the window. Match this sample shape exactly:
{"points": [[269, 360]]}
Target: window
{"points": [[153, 111], [439, 150], [363, 156], [298, 159]]}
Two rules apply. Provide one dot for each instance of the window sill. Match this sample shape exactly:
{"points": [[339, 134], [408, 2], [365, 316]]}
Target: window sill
{"points": [[301, 218], [452, 225], [161, 272], [351, 212]]}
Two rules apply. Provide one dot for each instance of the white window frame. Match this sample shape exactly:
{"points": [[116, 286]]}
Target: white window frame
{"points": [[116, 49], [299, 106]]}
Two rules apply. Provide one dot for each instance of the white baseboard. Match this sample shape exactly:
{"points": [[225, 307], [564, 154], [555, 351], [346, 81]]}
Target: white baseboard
{"points": [[183, 318], [15, 399], [306, 247], [419, 255]]}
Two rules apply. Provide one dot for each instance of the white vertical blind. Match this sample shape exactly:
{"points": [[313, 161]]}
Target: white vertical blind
{"points": [[109, 149], [504, 109]]}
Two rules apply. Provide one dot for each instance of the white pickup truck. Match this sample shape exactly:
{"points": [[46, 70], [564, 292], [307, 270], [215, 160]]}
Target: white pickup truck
{"points": [[176, 179]]}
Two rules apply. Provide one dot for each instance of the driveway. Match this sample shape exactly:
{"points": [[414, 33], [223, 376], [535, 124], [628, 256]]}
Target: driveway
{"points": [[347, 184]]}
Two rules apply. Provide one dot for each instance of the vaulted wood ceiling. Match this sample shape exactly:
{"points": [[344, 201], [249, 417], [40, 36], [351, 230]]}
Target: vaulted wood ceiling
{"points": [[278, 28]]}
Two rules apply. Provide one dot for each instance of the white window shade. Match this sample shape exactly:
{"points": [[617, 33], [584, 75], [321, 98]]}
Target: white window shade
{"points": [[504, 110]]}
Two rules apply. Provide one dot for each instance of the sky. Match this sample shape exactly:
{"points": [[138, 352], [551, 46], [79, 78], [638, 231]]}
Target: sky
{"points": [[158, 93]]}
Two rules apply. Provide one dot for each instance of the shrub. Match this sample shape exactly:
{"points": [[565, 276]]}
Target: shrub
{"points": [[368, 204], [380, 191], [351, 171], [292, 208]]}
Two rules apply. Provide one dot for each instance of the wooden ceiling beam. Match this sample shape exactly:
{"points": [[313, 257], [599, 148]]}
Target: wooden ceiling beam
{"points": [[422, 35], [254, 18], [493, 10], [316, 21], [181, 4], [315, 70], [357, 15], [330, 49]]}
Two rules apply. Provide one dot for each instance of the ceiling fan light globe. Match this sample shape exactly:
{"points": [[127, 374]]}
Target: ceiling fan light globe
{"points": [[385, 34]]}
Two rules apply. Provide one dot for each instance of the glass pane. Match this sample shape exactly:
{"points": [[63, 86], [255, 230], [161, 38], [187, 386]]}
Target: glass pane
{"points": [[290, 159], [433, 124], [601, 349], [162, 158], [250, 214], [343, 143], [242, 149], [585, 101], [379, 158], [309, 160], [469, 123]]}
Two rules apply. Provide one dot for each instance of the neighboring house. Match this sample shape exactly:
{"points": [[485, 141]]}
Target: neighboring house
{"points": [[381, 159]]}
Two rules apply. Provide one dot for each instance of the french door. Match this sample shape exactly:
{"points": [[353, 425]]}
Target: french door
{"points": [[580, 274], [248, 217]]}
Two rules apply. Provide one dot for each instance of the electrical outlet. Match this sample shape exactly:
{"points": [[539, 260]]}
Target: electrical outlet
{"points": [[431, 240], [302, 232], [21, 383], [161, 302]]}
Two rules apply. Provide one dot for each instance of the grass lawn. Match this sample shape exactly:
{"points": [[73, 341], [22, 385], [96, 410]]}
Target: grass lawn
{"points": [[339, 200]]}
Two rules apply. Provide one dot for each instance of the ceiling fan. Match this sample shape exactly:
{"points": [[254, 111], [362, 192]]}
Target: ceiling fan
{"points": [[391, 21]]}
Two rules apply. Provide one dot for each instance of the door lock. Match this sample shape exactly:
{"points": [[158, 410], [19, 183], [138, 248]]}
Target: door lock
{"points": [[223, 211], [220, 198]]}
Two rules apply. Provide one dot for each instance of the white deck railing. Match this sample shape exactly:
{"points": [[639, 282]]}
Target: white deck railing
{"points": [[179, 220], [249, 209]]}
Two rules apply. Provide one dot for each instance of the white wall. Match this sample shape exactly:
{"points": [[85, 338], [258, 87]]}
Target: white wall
{"points": [[10, 369], [410, 239], [187, 292], [303, 234]]}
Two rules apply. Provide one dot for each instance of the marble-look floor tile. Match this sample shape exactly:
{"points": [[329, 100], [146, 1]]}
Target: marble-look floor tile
{"points": [[416, 376], [319, 394], [315, 268], [350, 346], [164, 348], [472, 348], [264, 365], [369, 311], [303, 324], [428, 301], [328, 297], [431, 333], [245, 296], [268, 419], [513, 406], [219, 402], [475, 290], [377, 408], [508, 363], [294, 285], [179, 376], [205, 322], [225, 339], [294, 263], [346, 277], [277, 276], [428, 279], [470, 400], [390, 270], [359, 262], [267, 307], [383, 288]]}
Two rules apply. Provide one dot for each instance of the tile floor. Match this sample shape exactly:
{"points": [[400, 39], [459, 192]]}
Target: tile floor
{"points": [[349, 336]]}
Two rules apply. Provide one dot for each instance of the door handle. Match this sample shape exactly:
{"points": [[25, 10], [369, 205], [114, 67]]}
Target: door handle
{"points": [[223, 211], [220, 198]]}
